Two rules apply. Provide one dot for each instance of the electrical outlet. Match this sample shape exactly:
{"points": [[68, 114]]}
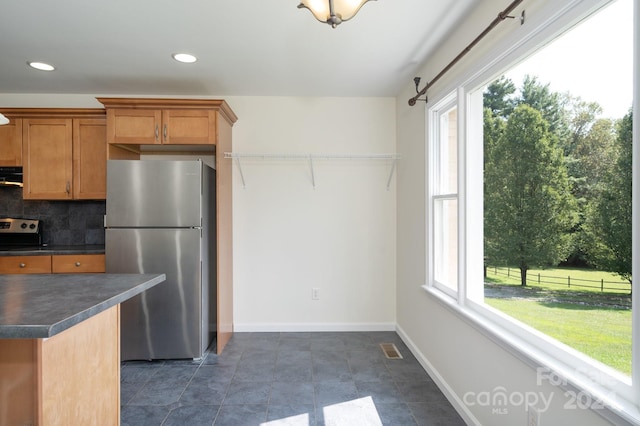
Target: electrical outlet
{"points": [[533, 416], [315, 293]]}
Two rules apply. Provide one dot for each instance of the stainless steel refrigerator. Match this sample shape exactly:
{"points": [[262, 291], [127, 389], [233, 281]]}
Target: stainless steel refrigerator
{"points": [[160, 218]]}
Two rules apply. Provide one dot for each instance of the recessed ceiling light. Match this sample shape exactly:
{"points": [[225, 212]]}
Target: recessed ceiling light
{"points": [[184, 57], [41, 66]]}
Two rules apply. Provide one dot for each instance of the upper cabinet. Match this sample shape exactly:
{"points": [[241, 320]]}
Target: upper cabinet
{"points": [[63, 151], [47, 150], [137, 125], [11, 143], [89, 159]]}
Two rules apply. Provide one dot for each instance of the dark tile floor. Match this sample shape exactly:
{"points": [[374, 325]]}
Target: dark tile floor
{"points": [[275, 379]]}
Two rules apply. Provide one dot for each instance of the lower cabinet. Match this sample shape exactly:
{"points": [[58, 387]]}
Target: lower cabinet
{"points": [[25, 265], [72, 378], [57, 264], [77, 263]]}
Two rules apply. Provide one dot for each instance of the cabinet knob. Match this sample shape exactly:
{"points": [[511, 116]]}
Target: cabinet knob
{"points": [[23, 265], [77, 263]]}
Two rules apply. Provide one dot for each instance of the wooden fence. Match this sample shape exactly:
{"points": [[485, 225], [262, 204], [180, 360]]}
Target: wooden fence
{"points": [[565, 281]]}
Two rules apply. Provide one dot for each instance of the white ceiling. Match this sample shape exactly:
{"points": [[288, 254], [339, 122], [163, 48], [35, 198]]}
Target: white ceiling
{"points": [[245, 47]]}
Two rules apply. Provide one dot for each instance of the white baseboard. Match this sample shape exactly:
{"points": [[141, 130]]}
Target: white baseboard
{"points": [[308, 327], [444, 387]]}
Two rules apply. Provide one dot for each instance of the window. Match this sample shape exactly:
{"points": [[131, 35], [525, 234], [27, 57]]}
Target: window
{"points": [[467, 145], [444, 197]]}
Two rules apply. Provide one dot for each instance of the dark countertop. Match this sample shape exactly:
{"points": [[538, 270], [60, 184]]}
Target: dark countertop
{"points": [[52, 249], [42, 305]]}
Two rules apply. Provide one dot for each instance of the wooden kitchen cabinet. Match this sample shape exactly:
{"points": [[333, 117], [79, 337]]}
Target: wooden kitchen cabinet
{"points": [[161, 127], [25, 264], [77, 263], [57, 264], [11, 143], [71, 378], [89, 159], [64, 158], [176, 125], [47, 148]]}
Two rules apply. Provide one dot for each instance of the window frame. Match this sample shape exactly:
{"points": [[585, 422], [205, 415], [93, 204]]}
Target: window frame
{"points": [[436, 113], [570, 368]]}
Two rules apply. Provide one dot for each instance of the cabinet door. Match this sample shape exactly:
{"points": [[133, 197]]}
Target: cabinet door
{"points": [[47, 159], [11, 143], [89, 159], [77, 263], [25, 264], [134, 126], [189, 127]]}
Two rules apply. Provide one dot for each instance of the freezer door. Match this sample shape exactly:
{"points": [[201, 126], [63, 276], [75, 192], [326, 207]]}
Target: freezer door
{"points": [[164, 322], [153, 193]]}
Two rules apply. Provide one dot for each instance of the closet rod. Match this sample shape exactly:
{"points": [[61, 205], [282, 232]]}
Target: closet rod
{"points": [[310, 157], [275, 156], [501, 17]]}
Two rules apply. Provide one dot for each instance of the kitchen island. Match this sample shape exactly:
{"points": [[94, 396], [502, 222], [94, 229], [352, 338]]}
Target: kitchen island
{"points": [[60, 346]]}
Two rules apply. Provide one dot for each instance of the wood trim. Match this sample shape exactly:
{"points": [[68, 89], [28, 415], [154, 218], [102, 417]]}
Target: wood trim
{"points": [[224, 237], [53, 112]]}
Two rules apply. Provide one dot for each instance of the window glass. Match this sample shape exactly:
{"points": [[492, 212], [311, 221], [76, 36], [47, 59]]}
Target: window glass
{"points": [[557, 188], [444, 197]]}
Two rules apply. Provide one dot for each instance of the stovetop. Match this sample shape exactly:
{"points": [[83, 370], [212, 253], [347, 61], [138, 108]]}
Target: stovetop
{"points": [[20, 232]]}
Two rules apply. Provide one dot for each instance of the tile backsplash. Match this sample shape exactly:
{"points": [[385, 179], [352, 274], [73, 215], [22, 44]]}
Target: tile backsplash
{"points": [[64, 222]]}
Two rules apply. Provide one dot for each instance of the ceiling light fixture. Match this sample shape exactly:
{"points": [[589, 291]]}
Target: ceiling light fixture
{"points": [[332, 12], [184, 57], [3, 120], [41, 66]]}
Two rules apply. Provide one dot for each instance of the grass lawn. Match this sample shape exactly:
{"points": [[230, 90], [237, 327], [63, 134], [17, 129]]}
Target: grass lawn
{"points": [[578, 326], [580, 315]]}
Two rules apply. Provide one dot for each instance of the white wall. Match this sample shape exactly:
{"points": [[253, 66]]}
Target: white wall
{"points": [[289, 237], [339, 237], [459, 356]]}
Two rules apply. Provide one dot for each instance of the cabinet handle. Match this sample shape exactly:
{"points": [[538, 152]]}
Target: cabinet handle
{"points": [[68, 189], [77, 263], [157, 133], [165, 133], [23, 265]]}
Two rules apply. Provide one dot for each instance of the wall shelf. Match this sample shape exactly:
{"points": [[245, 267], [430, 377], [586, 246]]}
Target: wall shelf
{"points": [[393, 158]]}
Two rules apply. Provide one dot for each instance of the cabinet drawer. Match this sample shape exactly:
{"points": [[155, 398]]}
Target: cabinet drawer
{"points": [[77, 263], [25, 264]]}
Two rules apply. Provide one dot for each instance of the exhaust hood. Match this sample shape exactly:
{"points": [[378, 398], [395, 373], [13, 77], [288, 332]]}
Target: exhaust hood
{"points": [[11, 177]]}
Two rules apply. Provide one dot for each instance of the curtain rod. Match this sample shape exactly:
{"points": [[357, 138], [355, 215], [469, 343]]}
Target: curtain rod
{"points": [[501, 17]]}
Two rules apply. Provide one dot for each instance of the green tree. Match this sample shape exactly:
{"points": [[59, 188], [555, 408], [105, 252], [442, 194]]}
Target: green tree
{"points": [[609, 219], [529, 208], [499, 97], [589, 151], [550, 104]]}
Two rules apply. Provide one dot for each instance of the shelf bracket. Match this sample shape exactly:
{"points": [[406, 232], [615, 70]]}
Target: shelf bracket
{"points": [[313, 176], [244, 185], [393, 169]]}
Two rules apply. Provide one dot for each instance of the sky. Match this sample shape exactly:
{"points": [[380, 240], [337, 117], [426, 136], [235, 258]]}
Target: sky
{"points": [[594, 60]]}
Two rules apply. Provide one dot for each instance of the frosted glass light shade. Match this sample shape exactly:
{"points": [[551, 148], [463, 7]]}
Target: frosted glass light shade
{"points": [[333, 12], [3, 120]]}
